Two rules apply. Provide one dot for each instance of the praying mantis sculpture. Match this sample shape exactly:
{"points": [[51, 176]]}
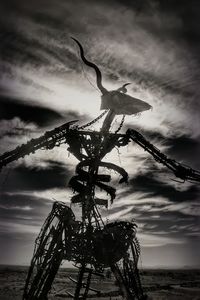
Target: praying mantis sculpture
{"points": [[92, 244]]}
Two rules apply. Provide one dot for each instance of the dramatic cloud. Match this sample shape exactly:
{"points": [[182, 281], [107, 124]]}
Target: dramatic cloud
{"points": [[53, 175], [11, 108]]}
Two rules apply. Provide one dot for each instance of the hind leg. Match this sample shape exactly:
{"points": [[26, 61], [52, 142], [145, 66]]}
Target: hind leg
{"points": [[127, 274]]}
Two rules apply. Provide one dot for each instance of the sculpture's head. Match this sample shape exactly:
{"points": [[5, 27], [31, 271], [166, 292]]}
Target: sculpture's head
{"points": [[117, 100]]}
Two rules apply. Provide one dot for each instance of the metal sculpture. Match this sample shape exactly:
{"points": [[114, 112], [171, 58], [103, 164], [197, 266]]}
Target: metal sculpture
{"points": [[91, 244]]}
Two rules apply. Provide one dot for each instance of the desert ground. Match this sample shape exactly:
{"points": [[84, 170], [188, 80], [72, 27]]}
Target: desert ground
{"points": [[158, 284]]}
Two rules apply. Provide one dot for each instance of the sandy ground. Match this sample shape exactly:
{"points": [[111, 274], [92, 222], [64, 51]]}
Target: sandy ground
{"points": [[159, 284]]}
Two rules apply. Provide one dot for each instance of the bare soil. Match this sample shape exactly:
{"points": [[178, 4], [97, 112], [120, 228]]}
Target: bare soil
{"points": [[158, 284]]}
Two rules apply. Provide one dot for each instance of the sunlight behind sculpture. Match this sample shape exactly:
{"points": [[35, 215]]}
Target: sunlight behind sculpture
{"points": [[117, 100]]}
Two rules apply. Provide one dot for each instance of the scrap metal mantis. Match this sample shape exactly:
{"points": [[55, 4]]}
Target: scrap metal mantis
{"points": [[91, 244]]}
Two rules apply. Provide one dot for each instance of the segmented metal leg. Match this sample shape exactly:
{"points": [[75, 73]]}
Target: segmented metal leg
{"points": [[127, 276], [48, 253]]}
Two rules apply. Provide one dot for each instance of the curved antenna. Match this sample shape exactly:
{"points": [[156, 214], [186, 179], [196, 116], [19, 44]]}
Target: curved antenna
{"points": [[123, 88], [92, 65]]}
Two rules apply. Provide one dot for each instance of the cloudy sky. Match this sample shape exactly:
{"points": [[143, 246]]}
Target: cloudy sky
{"points": [[149, 43]]}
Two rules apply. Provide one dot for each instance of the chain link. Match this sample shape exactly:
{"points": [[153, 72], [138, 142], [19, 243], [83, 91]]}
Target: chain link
{"points": [[121, 124], [97, 119], [93, 121]]}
